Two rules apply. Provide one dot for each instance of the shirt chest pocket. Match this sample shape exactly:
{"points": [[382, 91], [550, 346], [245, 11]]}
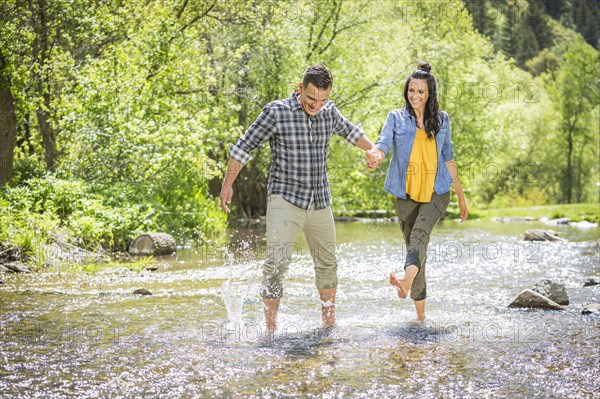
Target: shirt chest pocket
{"points": [[400, 134]]}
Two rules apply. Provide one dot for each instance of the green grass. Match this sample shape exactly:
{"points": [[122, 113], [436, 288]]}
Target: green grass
{"points": [[575, 212]]}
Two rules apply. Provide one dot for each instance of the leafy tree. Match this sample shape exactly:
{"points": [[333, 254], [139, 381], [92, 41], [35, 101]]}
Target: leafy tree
{"points": [[575, 92]]}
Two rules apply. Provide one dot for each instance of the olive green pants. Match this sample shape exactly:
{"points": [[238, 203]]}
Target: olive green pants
{"points": [[284, 220], [417, 220]]}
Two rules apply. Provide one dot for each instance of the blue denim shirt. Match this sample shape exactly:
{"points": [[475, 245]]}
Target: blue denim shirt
{"points": [[399, 133]]}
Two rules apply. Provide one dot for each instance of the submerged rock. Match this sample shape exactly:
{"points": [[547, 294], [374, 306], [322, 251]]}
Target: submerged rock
{"points": [[142, 291], [51, 291], [513, 219], [531, 299], [557, 221], [542, 235], [592, 308], [594, 280], [554, 291]]}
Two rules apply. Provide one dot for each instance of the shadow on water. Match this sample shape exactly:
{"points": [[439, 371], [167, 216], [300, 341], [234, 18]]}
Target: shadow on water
{"points": [[421, 332], [303, 344]]}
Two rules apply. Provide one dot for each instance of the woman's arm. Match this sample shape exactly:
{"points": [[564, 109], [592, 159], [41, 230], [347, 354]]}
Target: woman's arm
{"points": [[462, 203], [384, 143]]}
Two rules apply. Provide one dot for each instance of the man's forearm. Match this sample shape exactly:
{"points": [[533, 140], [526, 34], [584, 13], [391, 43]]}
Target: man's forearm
{"points": [[364, 143], [233, 169]]}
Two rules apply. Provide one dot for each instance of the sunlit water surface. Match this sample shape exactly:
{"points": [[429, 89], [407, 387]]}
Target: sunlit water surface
{"points": [[200, 334]]}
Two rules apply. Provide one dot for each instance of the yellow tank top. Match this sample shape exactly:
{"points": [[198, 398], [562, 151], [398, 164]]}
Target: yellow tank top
{"points": [[422, 167]]}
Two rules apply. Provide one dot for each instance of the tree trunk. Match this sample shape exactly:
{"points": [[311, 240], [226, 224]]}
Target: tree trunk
{"points": [[153, 244], [41, 52], [569, 172], [8, 126], [47, 138]]}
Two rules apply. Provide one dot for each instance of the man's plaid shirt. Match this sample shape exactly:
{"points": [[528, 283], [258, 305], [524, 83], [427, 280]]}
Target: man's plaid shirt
{"points": [[299, 145]]}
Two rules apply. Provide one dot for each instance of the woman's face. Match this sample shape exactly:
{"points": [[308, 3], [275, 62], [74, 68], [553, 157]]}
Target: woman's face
{"points": [[418, 94]]}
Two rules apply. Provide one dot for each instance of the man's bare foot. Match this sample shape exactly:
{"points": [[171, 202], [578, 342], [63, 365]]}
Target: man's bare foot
{"points": [[327, 299], [328, 316], [271, 307], [400, 285], [271, 328]]}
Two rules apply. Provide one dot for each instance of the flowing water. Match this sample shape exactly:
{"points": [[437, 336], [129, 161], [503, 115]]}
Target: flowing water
{"points": [[200, 335]]}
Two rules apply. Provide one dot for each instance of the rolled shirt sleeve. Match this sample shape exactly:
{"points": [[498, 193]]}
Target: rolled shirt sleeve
{"points": [[385, 140], [448, 147], [343, 127], [260, 131]]}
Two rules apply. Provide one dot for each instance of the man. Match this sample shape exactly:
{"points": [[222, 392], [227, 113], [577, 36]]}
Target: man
{"points": [[298, 129]]}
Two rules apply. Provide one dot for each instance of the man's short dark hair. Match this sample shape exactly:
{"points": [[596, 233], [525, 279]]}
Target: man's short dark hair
{"points": [[319, 75]]}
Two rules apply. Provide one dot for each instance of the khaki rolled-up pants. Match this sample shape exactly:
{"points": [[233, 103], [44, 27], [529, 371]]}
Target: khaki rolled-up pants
{"points": [[417, 220], [284, 220]]}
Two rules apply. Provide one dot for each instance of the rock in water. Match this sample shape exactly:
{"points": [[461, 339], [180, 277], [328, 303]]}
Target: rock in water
{"points": [[595, 280], [542, 235], [592, 308], [153, 244], [531, 299], [554, 291], [142, 291]]}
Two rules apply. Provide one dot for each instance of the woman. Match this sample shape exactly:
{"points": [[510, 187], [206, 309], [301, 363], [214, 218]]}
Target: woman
{"points": [[421, 172]]}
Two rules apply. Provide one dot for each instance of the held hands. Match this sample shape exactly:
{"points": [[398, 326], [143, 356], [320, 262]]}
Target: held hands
{"points": [[374, 157]]}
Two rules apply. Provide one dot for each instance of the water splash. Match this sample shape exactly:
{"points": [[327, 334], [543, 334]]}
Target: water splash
{"points": [[233, 295]]}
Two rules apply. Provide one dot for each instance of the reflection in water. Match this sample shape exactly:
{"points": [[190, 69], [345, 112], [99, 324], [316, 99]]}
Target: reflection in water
{"points": [[201, 332]]}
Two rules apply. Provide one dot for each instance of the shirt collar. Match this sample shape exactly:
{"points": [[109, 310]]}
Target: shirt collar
{"points": [[294, 102]]}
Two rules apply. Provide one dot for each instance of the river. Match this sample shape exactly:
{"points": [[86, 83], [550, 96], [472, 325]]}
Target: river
{"points": [[200, 335]]}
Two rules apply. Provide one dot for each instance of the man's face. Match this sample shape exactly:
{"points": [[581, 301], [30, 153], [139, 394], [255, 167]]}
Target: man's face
{"points": [[312, 98]]}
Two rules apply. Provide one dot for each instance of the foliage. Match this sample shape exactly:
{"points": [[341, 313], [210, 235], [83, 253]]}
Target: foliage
{"points": [[125, 109], [42, 211]]}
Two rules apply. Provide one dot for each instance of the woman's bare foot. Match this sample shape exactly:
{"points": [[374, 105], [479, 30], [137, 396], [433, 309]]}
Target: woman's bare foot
{"points": [[400, 285], [420, 308]]}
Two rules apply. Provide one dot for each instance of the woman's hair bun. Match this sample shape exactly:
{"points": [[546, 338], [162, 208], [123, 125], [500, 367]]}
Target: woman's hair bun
{"points": [[424, 66]]}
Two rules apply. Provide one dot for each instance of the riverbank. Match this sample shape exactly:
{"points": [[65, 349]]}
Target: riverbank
{"points": [[37, 249], [574, 212]]}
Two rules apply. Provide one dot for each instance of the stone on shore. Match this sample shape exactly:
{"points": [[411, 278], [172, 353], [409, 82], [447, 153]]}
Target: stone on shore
{"points": [[17, 267], [592, 308], [531, 299], [594, 280], [554, 291]]}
